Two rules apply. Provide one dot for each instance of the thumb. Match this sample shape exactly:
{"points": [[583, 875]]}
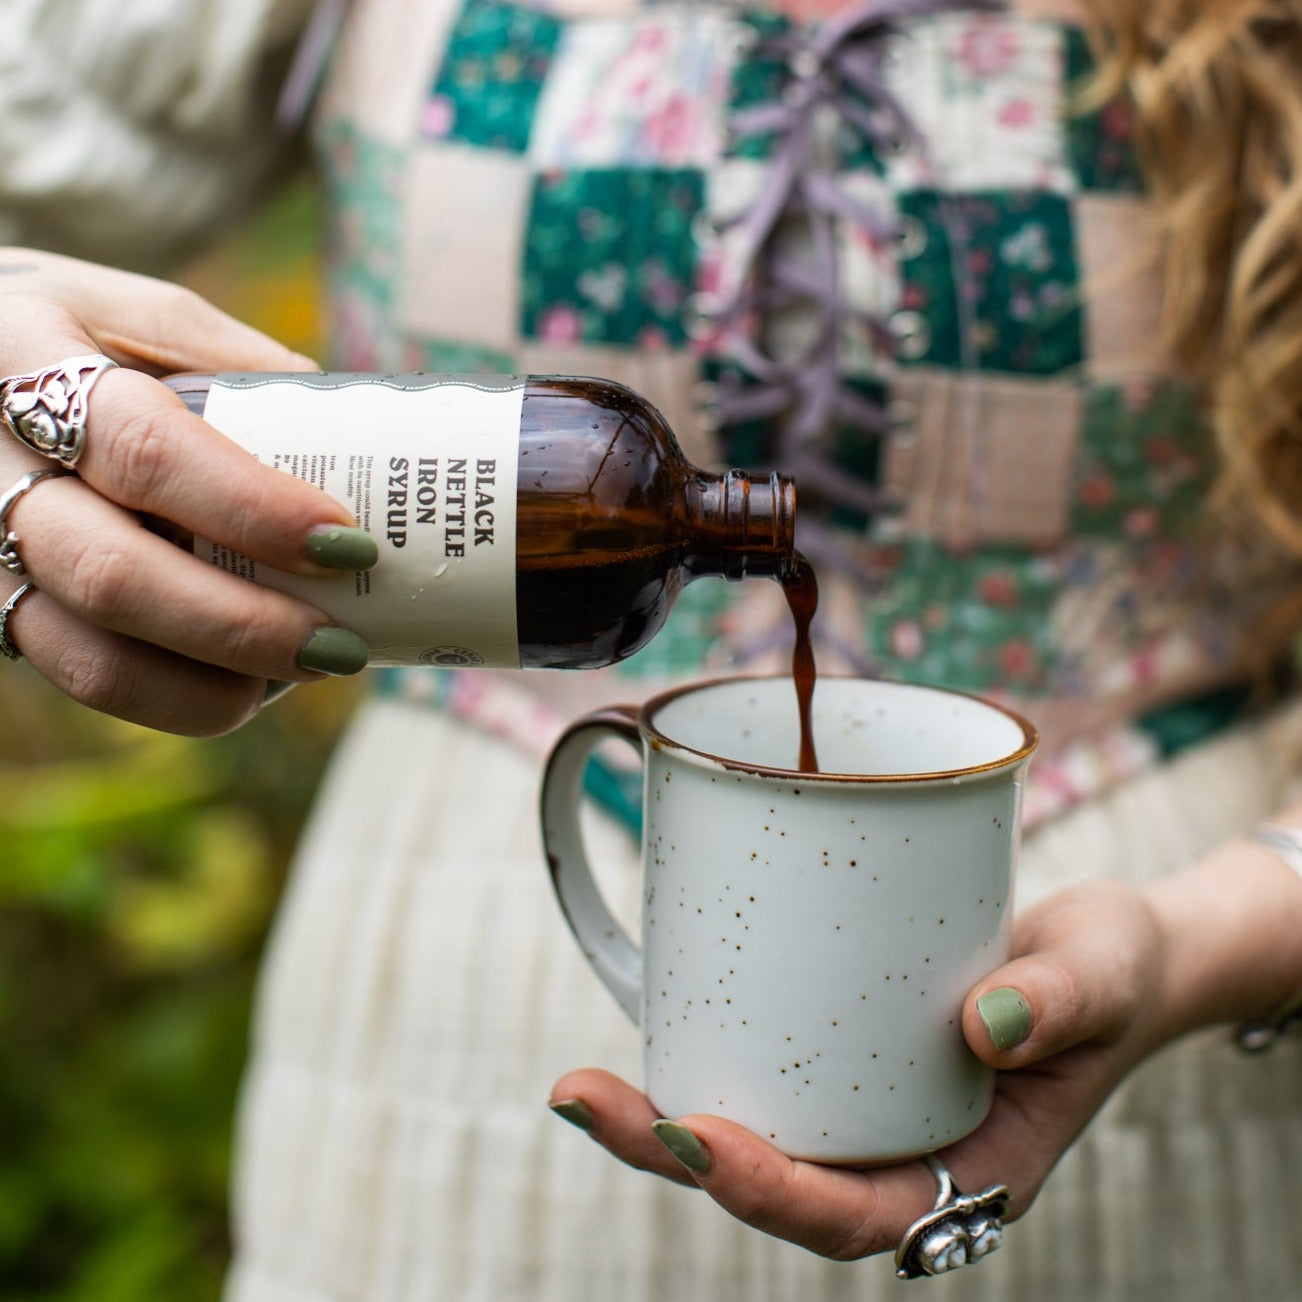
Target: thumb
{"points": [[1087, 960], [156, 326]]}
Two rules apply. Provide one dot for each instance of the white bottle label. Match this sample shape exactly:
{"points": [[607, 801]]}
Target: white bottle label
{"points": [[428, 466]]}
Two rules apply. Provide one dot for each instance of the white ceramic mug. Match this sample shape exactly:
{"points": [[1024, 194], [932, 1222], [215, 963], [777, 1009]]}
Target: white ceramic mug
{"points": [[807, 939]]}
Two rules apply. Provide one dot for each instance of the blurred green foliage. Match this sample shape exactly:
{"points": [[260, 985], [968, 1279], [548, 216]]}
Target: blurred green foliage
{"points": [[138, 874], [138, 877]]}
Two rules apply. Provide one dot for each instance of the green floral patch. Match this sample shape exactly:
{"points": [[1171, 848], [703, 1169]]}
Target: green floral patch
{"points": [[362, 245], [969, 620], [493, 71], [610, 256], [762, 78], [1015, 253], [758, 79], [1099, 142], [1144, 465], [364, 232]]}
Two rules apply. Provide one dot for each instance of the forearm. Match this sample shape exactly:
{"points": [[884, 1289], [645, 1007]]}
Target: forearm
{"points": [[1232, 929]]}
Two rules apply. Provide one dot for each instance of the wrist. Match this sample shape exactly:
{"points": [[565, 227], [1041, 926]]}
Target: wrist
{"points": [[1231, 928]]}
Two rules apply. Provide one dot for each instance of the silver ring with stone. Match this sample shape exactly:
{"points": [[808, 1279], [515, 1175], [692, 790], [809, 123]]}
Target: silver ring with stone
{"points": [[959, 1229], [9, 557], [46, 410], [7, 648]]}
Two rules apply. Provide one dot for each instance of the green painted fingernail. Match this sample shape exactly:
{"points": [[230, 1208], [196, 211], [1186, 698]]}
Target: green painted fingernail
{"points": [[576, 1112], [275, 690], [683, 1145], [342, 548], [1007, 1016], [338, 652]]}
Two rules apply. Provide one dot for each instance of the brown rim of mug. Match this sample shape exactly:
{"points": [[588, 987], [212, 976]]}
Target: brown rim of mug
{"points": [[660, 741]]}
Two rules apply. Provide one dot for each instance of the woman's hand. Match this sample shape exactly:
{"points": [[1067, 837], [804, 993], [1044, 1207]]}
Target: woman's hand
{"points": [[118, 618], [1062, 1022], [1101, 976]]}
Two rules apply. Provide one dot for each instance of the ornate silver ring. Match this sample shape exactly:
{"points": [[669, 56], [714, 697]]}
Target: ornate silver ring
{"points": [[7, 648], [959, 1229], [9, 557], [46, 410]]}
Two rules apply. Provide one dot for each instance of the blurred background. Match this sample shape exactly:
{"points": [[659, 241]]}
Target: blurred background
{"points": [[138, 877]]}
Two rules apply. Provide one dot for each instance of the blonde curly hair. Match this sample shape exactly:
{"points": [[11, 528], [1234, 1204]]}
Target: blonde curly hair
{"points": [[1216, 87]]}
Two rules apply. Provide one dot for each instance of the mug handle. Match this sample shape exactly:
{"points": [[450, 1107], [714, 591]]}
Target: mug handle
{"points": [[605, 943]]}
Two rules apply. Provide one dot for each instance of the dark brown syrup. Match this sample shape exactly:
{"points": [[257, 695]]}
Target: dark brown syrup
{"points": [[800, 586]]}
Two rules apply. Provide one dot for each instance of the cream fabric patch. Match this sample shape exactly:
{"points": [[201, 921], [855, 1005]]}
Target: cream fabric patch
{"points": [[982, 458], [985, 91], [463, 225], [1119, 263], [648, 92], [405, 38]]}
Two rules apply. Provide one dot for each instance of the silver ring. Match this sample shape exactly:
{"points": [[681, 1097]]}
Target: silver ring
{"points": [[46, 410], [9, 557], [7, 648], [959, 1229]]}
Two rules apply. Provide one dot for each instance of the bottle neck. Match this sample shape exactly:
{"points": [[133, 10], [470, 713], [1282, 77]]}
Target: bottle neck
{"points": [[741, 526]]}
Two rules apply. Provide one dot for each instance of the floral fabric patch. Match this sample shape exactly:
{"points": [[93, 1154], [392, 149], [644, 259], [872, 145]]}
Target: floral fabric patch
{"points": [[566, 196], [642, 93], [1145, 462], [609, 256], [1099, 142], [492, 74], [985, 91], [1016, 253], [363, 243]]}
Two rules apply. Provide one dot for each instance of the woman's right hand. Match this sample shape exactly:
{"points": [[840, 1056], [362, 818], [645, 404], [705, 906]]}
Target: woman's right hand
{"points": [[118, 618]]}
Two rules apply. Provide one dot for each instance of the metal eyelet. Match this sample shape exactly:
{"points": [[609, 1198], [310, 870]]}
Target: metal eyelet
{"points": [[891, 53], [704, 395], [701, 315], [912, 334], [910, 237], [902, 415], [741, 41], [705, 229], [803, 64]]}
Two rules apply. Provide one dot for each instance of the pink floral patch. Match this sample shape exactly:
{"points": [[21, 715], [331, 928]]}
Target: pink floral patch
{"points": [[988, 49], [438, 117], [1017, 112], [673, 129], [907, 640], [1017, 659], [561, 325], [998, 589], [1098, 490]]}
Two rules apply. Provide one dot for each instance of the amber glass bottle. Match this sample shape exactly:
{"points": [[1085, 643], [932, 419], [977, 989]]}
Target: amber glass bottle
{"points": [[573, 492]]}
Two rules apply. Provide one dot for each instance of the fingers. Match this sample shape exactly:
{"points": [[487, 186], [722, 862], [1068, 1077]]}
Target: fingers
{"points": [[128, 679], [144, 449], [121, 619], [142, 322], [148, 453], [838, 1213], [1087, 968], [107, 570], [842, 1214], [618, 1117]]}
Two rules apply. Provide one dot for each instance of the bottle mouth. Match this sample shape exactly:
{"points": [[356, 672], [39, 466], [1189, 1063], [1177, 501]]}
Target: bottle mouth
{"points": [[760, 511]]}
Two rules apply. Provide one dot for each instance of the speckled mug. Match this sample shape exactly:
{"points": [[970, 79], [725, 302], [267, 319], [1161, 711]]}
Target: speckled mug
{"points": [[807, 939]]}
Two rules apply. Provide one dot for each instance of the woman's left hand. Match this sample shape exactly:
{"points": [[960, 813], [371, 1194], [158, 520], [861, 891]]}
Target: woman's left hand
{"points": [[1081, 997]]}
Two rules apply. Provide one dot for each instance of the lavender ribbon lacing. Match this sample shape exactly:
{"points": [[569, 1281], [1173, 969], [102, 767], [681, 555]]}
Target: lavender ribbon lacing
{"points": [[836, 73]]}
